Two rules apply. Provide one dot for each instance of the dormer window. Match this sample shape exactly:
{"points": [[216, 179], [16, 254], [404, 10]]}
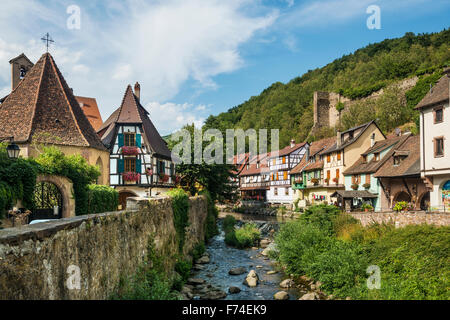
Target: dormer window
{"points": [[350, 135], [376, 156], [398, 160], [364, 158]]}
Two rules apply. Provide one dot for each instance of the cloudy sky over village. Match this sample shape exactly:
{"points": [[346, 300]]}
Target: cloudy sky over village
{"points": [[194, 58]]}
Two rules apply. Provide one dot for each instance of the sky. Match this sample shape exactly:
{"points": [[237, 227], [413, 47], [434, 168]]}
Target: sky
{"points": [[194, 58]]}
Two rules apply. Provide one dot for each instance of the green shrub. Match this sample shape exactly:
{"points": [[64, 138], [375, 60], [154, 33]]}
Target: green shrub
{"points": [[247, 236], [211, 219], [102, 199], [150, 282], [321, 216], [400, 206], [180, 208], [198, 250], [183, 267], [230, 238], [6, 198], [228, 223]]}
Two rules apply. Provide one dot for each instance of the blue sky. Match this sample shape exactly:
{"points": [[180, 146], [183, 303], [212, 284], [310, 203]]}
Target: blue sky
{"points": [[194, 58]]}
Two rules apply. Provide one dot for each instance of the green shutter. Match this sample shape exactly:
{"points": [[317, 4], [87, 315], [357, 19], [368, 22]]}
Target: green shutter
{"points": [[163, 170], [121, 142], [171, 169], [121, 166], [157, 167], [138, 166], [138, 140]]}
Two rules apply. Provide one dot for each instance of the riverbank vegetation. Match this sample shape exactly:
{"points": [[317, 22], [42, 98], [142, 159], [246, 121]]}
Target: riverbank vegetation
{"points": [[335, 249], [244, 237]]}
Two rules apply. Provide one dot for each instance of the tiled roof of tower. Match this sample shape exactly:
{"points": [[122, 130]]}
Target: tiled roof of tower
{"points": [[43, 108], [132, 112], [438, 94], [90, 109]]}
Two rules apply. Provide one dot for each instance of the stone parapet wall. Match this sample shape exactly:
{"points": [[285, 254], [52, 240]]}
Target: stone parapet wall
{"points": [[403, 219], [36, 261]]}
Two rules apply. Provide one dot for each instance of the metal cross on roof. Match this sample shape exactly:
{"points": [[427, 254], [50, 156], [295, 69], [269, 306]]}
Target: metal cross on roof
{"points": [[47, 39]]}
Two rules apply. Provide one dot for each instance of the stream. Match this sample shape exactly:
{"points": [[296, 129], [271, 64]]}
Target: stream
{"points": [[223, 258]]}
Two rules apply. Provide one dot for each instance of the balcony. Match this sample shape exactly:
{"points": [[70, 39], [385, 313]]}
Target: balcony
{"points": [[255, 185]]}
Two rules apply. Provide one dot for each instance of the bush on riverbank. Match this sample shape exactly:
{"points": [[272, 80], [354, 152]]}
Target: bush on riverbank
{"points": [[245, 237], [180, 207], [336, 250]]}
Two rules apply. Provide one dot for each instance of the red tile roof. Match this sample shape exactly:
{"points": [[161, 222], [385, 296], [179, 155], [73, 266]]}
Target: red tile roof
{"points": [[90, 109], [315, 148], [43, 108], [252, 166]]}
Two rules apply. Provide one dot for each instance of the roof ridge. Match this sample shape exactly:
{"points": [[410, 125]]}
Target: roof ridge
{"points": [[53, 65], [38, 91]]}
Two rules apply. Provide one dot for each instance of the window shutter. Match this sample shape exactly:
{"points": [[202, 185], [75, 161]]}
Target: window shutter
{"points": [[138, 140], [138, 165], [157, 166], [171, 169], [120, 136], [163, 167], [121, 166]]}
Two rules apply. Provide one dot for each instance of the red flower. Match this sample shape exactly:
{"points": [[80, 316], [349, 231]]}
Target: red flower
{"points": [[130, 151], [131, 176]]}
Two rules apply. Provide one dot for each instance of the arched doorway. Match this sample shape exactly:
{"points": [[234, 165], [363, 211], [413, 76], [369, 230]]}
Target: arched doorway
{"points": [[402, 196], [123, 195], [446, 195], [99, 164], [48, 201], [425, 201]]}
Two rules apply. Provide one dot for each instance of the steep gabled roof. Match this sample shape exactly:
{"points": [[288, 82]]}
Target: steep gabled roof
{"points": [[363, 128], [253, 168], [315, 148], [91, 111], [132, 112], [43, 108], [360, 166], [409, 166], [287, 150], [438, 94]]}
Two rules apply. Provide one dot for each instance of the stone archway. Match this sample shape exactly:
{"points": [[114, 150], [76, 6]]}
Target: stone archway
{"points": [[99, 164], [424, 200], [65, 187], [402, 196], [123, 195]]}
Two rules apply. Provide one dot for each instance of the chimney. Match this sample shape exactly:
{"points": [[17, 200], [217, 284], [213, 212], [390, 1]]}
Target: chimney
{"points": [[137, 91], [292, 143], [338, 139], [372, 140]]}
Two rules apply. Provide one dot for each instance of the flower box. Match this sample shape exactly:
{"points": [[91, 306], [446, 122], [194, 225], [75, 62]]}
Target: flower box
{"points": [[366, 185], [131, 177], [315, 181], [163, 177], [355, 186], [130, 151], [149, 171], [335, 180]]}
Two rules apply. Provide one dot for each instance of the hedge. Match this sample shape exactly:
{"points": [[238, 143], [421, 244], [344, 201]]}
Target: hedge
{"points": [[102, 199]]}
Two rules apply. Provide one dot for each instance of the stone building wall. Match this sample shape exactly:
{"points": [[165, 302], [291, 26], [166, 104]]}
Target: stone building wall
{"points": [[36, 261], [403, 219]]}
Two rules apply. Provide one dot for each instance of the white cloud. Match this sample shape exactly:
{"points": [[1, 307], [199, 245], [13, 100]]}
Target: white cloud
{"points": [[122, 72], [169, 117]]}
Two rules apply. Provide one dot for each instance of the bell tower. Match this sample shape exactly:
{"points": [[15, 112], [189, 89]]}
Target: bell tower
{"points": [[19, 68]]}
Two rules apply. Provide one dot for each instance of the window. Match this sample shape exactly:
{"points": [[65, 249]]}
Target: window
{"points": [[130, 165], [438, 115], [356, 178], [339, 156], [376, 156], [398, 160], [129, 139], [328, 158], [364, 158], [285, 175], [439, 147], [286, 191], [337, 174], [368, 178], [275, 191], [350, 135]]}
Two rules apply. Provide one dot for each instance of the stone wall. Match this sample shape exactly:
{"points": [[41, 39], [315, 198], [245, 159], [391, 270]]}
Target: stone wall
{"points": [[36, 260], [403, 219]]}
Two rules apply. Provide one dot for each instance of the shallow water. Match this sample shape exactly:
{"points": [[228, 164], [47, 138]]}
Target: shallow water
{"points": [[224, 258]]}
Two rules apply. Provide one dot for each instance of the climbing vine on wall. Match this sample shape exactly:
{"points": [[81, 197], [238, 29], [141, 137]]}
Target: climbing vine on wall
{"points": [[180, 207]]}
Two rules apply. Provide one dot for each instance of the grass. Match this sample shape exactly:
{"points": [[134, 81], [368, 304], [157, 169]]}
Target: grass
{"points": [[335, 249]]}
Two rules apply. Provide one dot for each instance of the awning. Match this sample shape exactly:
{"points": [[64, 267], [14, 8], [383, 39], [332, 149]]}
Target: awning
{"points": [[345, 194]]}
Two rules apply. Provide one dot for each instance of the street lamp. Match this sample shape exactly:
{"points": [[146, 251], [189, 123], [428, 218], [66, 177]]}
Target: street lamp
{"points": [[12, 149]]}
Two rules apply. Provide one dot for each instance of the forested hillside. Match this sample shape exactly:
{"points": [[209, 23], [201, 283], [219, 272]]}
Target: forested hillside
{"points": [[288, 107]]}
